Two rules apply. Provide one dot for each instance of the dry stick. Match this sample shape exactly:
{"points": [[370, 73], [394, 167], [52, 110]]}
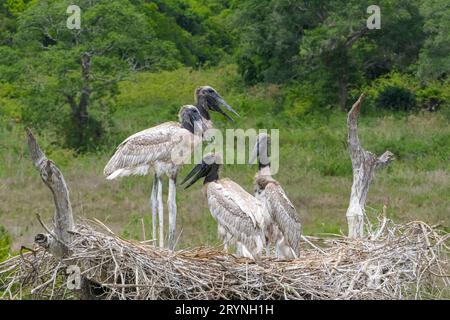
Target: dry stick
{"points": [[63, 219], [364, 164], [312, 244], [143, 230], [54, 180], [53, 235]]}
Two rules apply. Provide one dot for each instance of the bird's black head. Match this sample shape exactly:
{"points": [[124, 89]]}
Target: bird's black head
{"points": [[208, 168], [208, 99], [191, 119]]}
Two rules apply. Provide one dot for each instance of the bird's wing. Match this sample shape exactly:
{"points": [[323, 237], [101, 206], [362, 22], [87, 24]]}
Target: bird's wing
{"points": [[137, 152], [283, 214], [235, 211], [246, 202]]}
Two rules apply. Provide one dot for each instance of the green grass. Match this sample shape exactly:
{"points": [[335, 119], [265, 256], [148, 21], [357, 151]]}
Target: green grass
{"points": [[315, 168], [5, 243]]}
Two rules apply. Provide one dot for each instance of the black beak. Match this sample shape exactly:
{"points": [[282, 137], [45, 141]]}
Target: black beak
{"points": [[199, 171], [215, 105]]}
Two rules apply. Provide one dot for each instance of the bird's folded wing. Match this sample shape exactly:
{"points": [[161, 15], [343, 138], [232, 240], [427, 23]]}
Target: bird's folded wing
{"points": [[283, 213], [145, 147], [246, 202], [236, 217]]}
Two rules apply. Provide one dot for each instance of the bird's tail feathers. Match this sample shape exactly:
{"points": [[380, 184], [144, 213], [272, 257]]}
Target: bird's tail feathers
{"points": [[137, 171]]}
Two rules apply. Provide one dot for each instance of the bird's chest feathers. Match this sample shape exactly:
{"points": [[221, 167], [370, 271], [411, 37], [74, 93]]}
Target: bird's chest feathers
{"points": [[183, 147], [162, 167], [259, 193]]}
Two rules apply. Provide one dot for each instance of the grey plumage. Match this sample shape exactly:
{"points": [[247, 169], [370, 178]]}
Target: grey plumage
{"points": [[141, 151], [282, 212], [238, 213], [162, 149]]}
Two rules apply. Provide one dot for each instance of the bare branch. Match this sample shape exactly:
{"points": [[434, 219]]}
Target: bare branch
{"points": [[384, 160], [356, 150], [54, 180], [364, 164], [355, 36]]}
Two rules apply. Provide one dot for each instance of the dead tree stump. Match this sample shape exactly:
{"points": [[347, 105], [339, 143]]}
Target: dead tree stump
{"points": [[57, 241], [364, 165]]}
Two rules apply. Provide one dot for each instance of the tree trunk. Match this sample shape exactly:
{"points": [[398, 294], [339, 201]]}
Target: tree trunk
{"points": [[57, 241], [364, 165], [85, 89], [80, 113]]}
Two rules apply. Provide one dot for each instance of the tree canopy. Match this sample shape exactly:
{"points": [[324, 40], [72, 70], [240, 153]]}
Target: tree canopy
{"points": [[320, 52]]}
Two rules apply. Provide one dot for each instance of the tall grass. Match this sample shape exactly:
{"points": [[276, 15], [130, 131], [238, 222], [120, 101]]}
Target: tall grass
{"points": [[315, 168]]}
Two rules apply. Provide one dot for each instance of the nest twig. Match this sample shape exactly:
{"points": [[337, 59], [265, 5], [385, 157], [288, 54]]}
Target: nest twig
{"points": [[408, 261]]}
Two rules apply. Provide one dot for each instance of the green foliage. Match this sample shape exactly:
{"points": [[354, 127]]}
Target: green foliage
{"points": [[198, 28], [67, 79], [434, 61], [9, 64], [350, 55], [270, 33], [5, 243], [15, 7], [434, 95], [70, 81], [396, 98], [302, 41], [10, 108], [302, 98], [138, 227], [430, 96]]}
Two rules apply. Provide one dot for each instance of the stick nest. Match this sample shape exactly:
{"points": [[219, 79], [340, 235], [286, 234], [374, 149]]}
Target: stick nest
{"points": [[408, 261]]}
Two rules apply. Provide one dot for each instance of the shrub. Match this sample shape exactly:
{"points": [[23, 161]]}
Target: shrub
{"points": [[5, 243], [434, 96], [383, 92], [396, 98], [399, 91], [303, 98]]}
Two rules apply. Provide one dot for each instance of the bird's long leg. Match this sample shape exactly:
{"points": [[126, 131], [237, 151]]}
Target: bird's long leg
{"points": [[267, 247], [246, 252], [172, 205], [239, 249], [161, 213], [154, 204]]}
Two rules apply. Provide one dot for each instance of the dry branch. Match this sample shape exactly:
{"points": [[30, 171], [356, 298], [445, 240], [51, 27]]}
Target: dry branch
{"points": [[57, 240], [364, 165]]}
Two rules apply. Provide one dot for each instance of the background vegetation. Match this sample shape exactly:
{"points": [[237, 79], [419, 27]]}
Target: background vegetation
{"points": [[293, 65]]}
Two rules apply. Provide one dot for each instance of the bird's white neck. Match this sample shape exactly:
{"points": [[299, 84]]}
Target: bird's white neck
{"points": [[264, 171]]}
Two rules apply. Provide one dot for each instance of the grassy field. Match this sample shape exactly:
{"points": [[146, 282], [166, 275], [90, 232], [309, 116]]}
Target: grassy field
{"points": [[315, 168]]}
